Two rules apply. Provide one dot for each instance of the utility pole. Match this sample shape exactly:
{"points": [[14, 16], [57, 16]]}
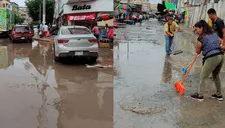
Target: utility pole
{"points": [[40, 12], [44, 12]]}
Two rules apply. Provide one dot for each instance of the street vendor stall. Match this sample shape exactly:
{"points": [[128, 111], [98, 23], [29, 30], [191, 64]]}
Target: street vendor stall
{"points": [[104, 21]]}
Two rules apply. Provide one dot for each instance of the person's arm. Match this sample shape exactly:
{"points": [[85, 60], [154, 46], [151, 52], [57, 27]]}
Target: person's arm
{"points": [[223, 37], [93, 29], [198, 47], [177, 26], [222, 26]]}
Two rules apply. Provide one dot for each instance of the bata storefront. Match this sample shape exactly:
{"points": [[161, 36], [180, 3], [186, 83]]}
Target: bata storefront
{"points": [[85, 13]]}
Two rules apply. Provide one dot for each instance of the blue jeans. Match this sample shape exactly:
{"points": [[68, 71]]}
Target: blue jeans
{"points": [[169, 42]]}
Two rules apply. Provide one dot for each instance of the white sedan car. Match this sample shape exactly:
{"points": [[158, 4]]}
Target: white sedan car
{"points": [[75, 41]]}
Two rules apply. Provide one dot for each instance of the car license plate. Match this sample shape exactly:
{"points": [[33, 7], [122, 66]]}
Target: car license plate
{"points": [[79, 54], [22, 38]]}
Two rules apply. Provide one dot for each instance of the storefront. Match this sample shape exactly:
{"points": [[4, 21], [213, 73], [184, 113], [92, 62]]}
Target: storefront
{"points": [[84, 13]]}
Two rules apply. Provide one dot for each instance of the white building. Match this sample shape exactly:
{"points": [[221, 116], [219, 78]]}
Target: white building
{"points": [[78, 12]]}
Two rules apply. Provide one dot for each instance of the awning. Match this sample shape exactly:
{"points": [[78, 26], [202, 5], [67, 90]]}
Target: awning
{"points": [[83, 16]]}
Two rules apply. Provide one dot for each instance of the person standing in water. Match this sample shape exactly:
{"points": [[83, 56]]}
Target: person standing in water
{"points": [[111, 37], [96, 32], [169, 29], [213, 58]]}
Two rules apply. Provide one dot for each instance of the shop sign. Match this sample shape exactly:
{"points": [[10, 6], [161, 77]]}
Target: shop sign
{"points": [[79, 7], [89, 16]]}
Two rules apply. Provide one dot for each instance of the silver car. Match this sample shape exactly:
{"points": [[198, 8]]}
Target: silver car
{"points": [[75, 41]]}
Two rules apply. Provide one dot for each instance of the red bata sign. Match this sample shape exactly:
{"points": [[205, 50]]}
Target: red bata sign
{"points": [[88, 16]]}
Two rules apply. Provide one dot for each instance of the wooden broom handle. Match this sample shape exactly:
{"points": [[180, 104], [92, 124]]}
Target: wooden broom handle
{"points": [[189, 69]]}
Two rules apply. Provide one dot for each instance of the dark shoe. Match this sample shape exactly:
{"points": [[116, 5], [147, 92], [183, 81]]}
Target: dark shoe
{"points": [[197, 97], [219, 98], [168, 54]]}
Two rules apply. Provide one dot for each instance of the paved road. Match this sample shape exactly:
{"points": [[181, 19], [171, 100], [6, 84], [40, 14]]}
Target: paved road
{"points": [[144, 95], [36, 92]]}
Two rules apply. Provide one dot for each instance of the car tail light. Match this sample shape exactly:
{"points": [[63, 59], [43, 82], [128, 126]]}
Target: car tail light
{"points": [[93, 40], [62, 41], [14, 32]]}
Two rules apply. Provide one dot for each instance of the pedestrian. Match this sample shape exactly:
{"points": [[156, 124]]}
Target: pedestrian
{"points": [[169, 29], [213, 58], [111, 37], [45, 30], [96, 32], [101, 33], [107, 27], [134, 18], [41, 31], [140, 18], [218, 26]]}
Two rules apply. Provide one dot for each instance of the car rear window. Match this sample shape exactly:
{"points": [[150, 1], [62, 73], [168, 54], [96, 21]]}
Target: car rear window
{"points": [[71, 31], [22, 28]]}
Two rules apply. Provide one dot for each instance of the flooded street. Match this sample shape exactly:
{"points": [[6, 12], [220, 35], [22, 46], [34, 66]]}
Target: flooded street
{"points": [[37, 92], [144, 93]]}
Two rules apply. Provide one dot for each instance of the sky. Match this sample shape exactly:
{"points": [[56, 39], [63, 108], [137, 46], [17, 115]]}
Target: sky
{"points": [[19, 2]]}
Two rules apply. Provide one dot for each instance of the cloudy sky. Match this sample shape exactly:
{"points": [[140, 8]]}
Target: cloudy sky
{"points": [[19, 2]]}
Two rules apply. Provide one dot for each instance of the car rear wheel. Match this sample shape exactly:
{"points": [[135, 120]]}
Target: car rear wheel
{"points": [[55, 57]]}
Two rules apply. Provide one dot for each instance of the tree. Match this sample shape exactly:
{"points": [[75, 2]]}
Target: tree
{"points": [[33, 9], [19, 20]]}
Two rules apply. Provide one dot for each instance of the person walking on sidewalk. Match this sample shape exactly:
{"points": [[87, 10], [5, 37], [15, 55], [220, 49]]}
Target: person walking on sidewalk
{"points": [[134, 18], [111, 37], [218, 25], [96, 32], [213, 58], [140, 19], [169, 29]]}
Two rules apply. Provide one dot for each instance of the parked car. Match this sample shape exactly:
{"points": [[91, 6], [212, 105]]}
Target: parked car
{"points": [[22, 33], [75, 41]]}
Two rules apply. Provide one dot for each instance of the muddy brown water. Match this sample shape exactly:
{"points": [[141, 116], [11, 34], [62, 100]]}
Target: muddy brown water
{"points": [[36, 92]]}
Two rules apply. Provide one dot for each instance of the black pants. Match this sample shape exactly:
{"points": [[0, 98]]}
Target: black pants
{"points": [[97, 36], [111, 42]]}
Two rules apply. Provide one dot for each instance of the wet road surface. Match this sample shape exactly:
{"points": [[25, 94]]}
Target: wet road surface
{"points": [[36, 92], [144, 94]]}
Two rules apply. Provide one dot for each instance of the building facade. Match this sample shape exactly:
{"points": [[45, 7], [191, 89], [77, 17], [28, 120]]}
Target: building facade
{"points": [[146, 6], [23, 13], [80, 12]]}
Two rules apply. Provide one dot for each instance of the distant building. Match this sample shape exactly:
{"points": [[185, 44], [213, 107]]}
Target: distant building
{"points": [[136, 1], [145, 5], [15, 7], [23, 13], [153, 7], [4, 3]]}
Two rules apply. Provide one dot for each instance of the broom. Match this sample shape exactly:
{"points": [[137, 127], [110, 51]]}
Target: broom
{"points": [[179, 84], [175, 51], [185, 69]]}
